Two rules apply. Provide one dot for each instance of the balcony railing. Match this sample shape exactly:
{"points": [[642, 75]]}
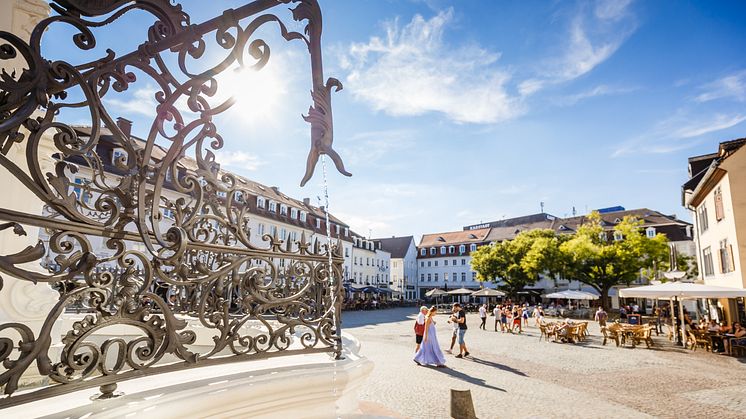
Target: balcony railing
{"points": [[166, 280]]}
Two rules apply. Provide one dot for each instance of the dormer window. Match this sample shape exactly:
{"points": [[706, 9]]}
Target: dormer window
{"points": [[293, 213], [618, 236], [423, 252], [238, 196], [336, 229], [472, 236], [602, 236], [318, 223], [347, 231], [451, 249], [617, 220], [462, 249], [650, 232], [259, 202], [473, 247], [222, 194], [272, 206], [432, 251], [118, 155], [442, 250], [441, 239], [303, 215], [283, 209]]}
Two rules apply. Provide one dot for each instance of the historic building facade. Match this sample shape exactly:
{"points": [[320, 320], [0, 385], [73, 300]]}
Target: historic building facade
{"points": [[716, 197], [403, 277]]}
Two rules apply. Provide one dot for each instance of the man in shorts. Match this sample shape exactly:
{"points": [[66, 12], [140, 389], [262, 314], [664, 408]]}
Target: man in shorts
{"points": [[419, 327], [459, 317], [454, 335]]}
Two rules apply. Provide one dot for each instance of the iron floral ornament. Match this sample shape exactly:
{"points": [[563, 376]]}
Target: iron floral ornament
{"points": [[161, 275]]}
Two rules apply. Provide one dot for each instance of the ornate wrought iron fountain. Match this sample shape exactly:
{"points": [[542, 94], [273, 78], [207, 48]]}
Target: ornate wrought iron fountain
{"points": [[205, 253]]}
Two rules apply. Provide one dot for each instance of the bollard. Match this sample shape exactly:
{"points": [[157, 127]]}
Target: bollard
{"points": [[462, 406]]}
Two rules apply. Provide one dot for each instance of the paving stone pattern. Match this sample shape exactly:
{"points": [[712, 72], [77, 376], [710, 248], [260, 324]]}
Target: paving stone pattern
{"points": [[519, 376]]}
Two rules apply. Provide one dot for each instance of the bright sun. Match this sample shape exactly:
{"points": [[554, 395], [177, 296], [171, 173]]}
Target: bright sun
{"points": [[258, 94]]}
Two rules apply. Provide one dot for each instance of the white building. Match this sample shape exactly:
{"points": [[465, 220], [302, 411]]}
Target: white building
{"points": [[444, 260], [370, 264], [403, 251], [716, 197]]}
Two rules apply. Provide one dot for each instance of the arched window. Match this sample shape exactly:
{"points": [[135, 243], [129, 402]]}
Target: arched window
{"points": [[473, 247], [423, 252], [462, 249], [442, 250], [432, 251]]}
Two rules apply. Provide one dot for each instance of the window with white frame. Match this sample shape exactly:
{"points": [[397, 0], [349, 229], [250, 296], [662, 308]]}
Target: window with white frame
{"points": [[260, 229], [422, 277], [336, 229], [650, 232], [303, 215], [618, 236], [463, 276], [436, 277], [238, 196], [473, 247], [283, 234], [719, 209], [726, 257], [293, 213], [462, 249], [442, 250], [422, 264], [432, 251], [272, 206], [429, 277], [347, 231], [445, 262], [473, 276], [423, 252], [707, 258], [451, 249], [318, 223], [273, 230], [260, 202], [463, 262], [702, 218], [79, 191], [283, 209], [436, 263], [429, 263]]}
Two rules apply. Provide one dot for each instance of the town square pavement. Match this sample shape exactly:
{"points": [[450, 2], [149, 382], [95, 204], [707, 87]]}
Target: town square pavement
{"points": [[519, 376]]}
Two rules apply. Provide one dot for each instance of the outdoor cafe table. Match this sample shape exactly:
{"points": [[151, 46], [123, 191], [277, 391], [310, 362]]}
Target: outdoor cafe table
{"points": [[628, 332]]}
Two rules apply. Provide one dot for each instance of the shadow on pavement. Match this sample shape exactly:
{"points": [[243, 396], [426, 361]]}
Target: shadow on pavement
{"points": [[498, 366], [352, 319], [467, 378]]}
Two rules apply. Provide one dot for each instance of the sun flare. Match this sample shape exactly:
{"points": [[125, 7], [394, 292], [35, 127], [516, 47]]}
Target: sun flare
{"points": [[258, 94]]}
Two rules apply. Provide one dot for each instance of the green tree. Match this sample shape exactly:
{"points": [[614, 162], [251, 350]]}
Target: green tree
{"points": [[602, 263], [515, 264]]}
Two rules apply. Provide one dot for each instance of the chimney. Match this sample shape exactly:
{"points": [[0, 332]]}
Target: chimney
{"points": [[321, 208], [307, 201], [276, 189], [125, 125]]}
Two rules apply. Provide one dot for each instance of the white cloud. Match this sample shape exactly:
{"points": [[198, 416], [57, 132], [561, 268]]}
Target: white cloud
{"points": [[600, 90], [611, 9], [413, 72], [592, 39], [238, 159], [676, 133], [729, 87], [369, 147], [141, 101]]}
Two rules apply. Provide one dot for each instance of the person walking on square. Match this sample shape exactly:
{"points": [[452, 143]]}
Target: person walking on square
{"points": [[524, 315], [419, 327], [430, 353], [496, 312], [454, 332], [483, 317], [460, 318], [601, 316]]}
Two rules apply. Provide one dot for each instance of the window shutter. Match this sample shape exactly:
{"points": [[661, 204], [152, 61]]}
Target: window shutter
{"points": [[732, 260]]}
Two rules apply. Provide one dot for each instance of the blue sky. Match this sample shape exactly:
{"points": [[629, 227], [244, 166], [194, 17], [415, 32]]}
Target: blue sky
{"points": [[456, 112]]}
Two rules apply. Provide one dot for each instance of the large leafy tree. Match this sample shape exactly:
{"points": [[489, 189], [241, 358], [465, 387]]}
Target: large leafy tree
{"points": [[602, 263], [515, 264]]}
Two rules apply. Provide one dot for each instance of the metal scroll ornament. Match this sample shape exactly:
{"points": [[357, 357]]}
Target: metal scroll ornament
{"points": [[161, 277]]}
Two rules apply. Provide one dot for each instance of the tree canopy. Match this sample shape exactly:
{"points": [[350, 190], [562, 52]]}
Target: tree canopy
{"points": [[589, 256]]}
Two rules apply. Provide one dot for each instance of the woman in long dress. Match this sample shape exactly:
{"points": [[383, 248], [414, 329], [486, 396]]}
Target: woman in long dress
{"points": [[430, 353]]}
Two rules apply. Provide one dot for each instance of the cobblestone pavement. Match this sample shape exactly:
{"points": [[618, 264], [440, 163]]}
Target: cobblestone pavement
{"points": [[519, 376]]}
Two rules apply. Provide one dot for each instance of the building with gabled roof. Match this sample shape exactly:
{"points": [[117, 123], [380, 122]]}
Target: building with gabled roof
{"points": [[716, 197], [403, 253]]}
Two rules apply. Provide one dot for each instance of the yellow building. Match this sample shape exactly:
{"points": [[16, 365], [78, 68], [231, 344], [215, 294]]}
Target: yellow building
{"points": [[716, 196]]}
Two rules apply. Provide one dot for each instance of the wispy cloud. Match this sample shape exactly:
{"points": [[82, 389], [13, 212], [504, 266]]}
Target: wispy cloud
{"points": [[238, 159], [411, 71], [369, 147], [600, 90], [141, 101], [677, 133], [731, 87], [592, 38]]}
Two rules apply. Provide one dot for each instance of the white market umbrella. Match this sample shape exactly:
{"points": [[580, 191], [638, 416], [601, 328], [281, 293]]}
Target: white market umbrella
{"points": [[436, 292], [682, 290], [572, 295], [488, 292], [460, 291]]}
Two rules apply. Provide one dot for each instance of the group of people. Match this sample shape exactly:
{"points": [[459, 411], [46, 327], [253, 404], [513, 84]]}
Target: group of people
{"points": [[509, 317], [428, 350]]}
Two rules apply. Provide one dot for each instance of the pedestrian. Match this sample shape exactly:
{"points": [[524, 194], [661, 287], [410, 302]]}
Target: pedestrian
{"points": [[601, 316], [483, 316], [524, 315], [496, 312], [430, 353], [460, 318], [504, 319], [419, 327], [454, 331]]}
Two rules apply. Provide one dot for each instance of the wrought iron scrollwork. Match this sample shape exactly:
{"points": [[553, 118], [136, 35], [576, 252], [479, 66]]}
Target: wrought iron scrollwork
{"points": [[160, 276]]}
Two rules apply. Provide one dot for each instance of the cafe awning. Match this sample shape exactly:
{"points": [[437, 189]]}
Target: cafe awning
{"points": [[682, 290], [572, 295]]}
